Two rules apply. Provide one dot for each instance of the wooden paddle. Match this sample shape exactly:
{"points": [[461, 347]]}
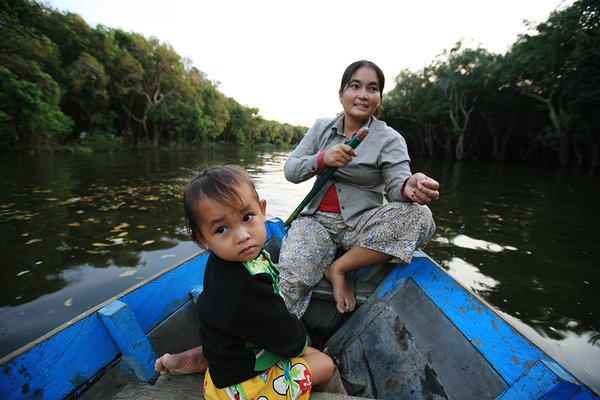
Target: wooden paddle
{"points": [[355, 141]]}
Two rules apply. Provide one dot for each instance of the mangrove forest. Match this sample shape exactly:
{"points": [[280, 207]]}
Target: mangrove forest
{"points": [[67, 86]]}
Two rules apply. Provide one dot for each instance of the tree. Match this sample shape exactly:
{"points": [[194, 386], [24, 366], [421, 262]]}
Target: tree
{"points": [[462, 78], [242, 126], [154, 72], [417, 107], [29, 97], [559, 68], [59, 73], [29, 116], [86, 95], [211, 105]]}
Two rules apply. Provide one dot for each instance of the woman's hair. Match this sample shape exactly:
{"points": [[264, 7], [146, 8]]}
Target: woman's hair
{"points": [[217, 182], [352, 68]]}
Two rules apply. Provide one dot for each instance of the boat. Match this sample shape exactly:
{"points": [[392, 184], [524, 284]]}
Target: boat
{"points": [[416, 334]]}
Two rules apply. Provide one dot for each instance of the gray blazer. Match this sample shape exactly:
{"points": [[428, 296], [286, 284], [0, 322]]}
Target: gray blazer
{"points": [[372, 178]]}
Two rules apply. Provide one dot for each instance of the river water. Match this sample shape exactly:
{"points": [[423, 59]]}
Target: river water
{"points": [[77, 229]]}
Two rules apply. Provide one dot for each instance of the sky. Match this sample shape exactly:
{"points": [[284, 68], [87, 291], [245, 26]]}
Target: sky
{"points": [[286, 58]]}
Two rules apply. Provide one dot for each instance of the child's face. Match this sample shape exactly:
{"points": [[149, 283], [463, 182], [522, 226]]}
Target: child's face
{"points": [[233, 234]]}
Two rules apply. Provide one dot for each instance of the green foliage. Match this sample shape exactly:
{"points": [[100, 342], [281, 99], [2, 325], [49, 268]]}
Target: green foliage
{"points": [[29, 117], [86, 97], [65, 83], [537, 102]]}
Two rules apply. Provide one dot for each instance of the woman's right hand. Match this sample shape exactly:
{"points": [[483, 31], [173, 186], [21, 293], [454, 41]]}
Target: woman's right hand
{"points": [[339, 155]]}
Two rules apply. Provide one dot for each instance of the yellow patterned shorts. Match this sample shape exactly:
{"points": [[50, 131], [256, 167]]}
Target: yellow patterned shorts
{"points": [[287, 379]]}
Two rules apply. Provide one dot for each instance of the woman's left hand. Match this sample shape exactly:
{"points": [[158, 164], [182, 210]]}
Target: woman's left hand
{"points": [[421, 189]]}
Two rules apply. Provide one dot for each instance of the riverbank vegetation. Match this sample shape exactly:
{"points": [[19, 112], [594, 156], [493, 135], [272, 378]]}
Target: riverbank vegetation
{"points": [[64, 84], [538, 102]]}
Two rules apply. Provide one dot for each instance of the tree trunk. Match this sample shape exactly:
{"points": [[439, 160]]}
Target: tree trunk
{"points": [[506, 137], [564, 140], [460, 107], [448, 147], [593, 151], [428, 139], [152, 101]]}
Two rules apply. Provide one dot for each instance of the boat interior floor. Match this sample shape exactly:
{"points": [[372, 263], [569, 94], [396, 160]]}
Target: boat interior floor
{"points": [[402, 331], [188, 387]]}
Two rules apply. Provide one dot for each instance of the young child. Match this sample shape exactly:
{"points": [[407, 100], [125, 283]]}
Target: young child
{"points": [[254, 346]]}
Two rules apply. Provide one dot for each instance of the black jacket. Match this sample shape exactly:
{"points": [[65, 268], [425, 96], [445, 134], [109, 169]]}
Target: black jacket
{"points": [[241, 315]]}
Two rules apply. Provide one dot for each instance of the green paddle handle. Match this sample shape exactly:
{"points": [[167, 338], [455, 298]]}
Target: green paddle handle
{"points": [[354, 142]]}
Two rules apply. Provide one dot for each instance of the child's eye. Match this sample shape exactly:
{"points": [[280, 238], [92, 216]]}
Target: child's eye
{"points": [[221, 229], [248, 217]]}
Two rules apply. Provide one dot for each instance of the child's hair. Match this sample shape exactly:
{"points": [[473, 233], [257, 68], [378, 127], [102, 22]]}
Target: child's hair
{"points": [[216, 182]]}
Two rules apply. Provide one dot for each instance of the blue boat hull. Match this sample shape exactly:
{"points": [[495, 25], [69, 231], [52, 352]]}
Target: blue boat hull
{"points": [[418, 334]]}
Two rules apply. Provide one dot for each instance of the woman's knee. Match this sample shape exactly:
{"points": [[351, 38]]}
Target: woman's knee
{"points": [[427, 223], [306, 250], [419, 214]]}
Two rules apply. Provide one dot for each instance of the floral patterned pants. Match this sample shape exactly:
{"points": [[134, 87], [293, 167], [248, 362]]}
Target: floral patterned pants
{"points": [[312, 242], [288, 379]]}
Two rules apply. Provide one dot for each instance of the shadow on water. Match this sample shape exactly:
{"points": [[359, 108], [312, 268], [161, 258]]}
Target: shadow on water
{"points": [[78, 229]]}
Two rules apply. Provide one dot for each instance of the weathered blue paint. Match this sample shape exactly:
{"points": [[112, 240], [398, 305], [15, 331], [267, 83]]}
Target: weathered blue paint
{"points": [[540, 382], [59, 363], [276, 227], [526, 369], [130, 339], [195, 292], [181, 280], [506, 349], [584, 394], [74, 353]]}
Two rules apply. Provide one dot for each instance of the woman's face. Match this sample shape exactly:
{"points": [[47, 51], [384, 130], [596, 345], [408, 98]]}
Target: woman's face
{"points": [[361, 96]]}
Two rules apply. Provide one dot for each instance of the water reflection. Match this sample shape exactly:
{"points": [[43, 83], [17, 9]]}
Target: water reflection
{"points": [[54, 228], [533, 231], [467, 242], [469, 275], [106, 226], [78, 229]]}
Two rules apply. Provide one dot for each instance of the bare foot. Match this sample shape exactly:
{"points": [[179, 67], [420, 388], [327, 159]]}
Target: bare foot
{"points": [[342, 293], [188, 362]]}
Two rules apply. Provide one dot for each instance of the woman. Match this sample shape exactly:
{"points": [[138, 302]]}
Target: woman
{"points": [[350, 213], [372, 210]]}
